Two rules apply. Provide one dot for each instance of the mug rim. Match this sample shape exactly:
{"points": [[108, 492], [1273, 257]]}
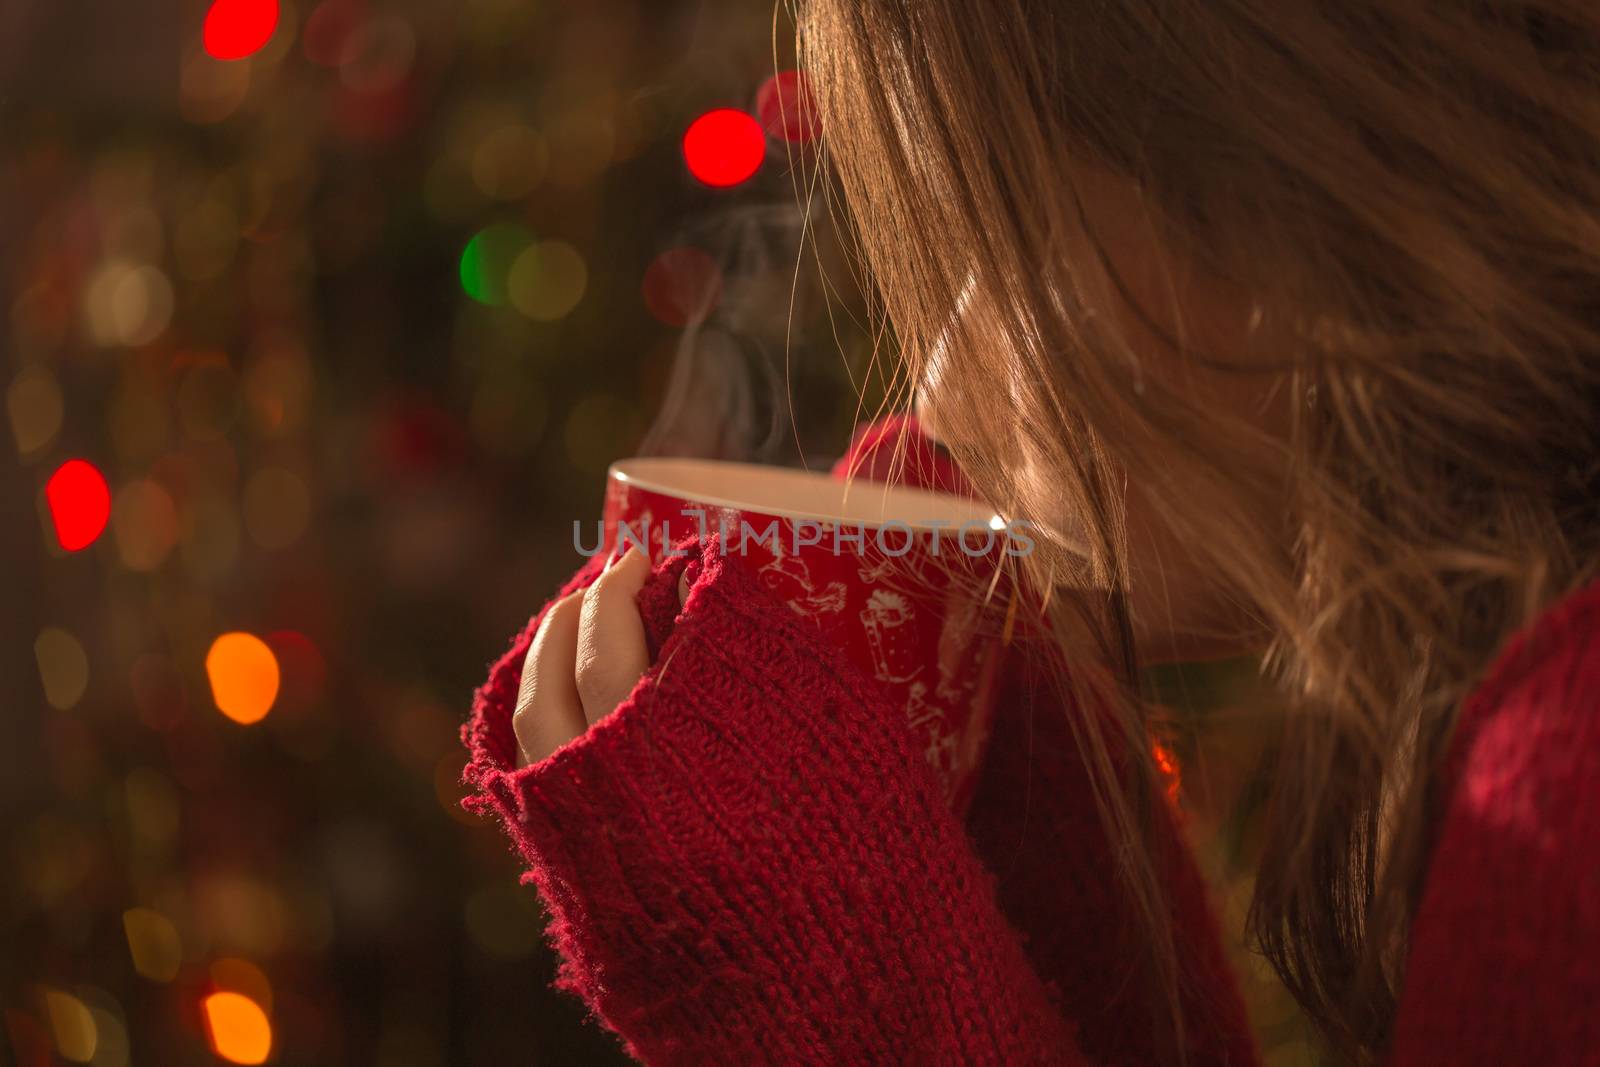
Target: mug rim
{"points": [[655, 474]]}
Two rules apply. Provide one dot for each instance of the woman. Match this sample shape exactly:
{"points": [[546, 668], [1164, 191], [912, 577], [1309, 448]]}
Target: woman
{"points": [[1298, 310]]}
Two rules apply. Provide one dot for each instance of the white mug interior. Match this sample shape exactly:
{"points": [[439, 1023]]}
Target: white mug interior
{"points": [[784, 492]]}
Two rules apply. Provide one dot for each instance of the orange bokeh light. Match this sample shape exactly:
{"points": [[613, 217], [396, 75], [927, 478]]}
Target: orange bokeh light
{"points": [[1171, 774], [238, 1028], [244, 676]]}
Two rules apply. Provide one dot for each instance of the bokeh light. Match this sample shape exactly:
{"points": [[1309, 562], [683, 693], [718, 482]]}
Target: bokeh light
{"points": [[111, 1043], [328, 30], [153, 944], [235, 29], [34, 404], [1171, 772], [377, 55], [377, 102], [80, 503], [277, 391], [582, 143], [277, 507], [208, 91], [238, 1028], [145, 522], [244, 676], [301, 667], [486, 261], [787, 108], [510, 162], [128, 304], [547, 280], [72, 1024], [682, 285], [245, 913], [63, 667], [724, 147], [233, 975]]}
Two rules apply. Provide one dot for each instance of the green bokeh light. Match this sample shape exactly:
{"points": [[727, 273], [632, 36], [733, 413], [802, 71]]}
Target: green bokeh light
{"points": [[487, 258]]}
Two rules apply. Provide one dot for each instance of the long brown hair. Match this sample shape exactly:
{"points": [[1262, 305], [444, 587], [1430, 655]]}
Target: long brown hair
{"points": [[1406, 198]]}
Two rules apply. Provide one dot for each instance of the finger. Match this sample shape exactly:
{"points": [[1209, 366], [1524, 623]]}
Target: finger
{"points": [[683, 588], [611, 645], [549, 713]]}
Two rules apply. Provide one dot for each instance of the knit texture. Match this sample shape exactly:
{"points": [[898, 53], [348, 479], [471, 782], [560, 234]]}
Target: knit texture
{"points": [[1504, 964], [750, 861]]}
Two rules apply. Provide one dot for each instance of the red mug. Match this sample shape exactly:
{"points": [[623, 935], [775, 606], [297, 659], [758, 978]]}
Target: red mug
{"points": [[911, 585]]}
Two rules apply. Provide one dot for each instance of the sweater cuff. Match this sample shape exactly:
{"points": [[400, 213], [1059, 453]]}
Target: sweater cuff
{"points": [[749, 857]]}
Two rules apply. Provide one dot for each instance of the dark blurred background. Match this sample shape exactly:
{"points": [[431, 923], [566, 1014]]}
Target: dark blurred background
{"points": [[312, 358]]}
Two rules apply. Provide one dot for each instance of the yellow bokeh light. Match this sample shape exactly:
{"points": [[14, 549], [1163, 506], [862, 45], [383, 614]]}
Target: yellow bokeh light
{"points": [[153, 943], [510, 162], [128, 303], [35, 406], [244, 676], [72, 1024], [210, 91], [63, 667], [239, 1030], [547, 280]]}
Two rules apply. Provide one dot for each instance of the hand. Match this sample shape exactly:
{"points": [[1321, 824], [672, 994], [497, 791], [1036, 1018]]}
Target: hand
{"points": [[586, 657]]}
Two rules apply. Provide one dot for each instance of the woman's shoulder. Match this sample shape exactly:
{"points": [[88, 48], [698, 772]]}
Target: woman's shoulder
{"points": [[1501, 962], [1529, 734]]}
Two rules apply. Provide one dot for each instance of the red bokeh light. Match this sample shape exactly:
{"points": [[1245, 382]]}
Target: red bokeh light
{"points": [[681, 284], [329, 28], [80, 503], [415, 439], [787, 108], [724, 147], [235, 29], [305, 671], [377, 116]]}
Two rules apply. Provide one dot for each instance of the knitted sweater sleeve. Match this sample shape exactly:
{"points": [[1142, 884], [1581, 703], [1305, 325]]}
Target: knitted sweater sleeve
{"points": [[1504, 963], [748, 861]]}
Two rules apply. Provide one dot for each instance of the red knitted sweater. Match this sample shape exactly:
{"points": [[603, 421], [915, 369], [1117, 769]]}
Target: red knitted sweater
{"points": [[749, 862]]}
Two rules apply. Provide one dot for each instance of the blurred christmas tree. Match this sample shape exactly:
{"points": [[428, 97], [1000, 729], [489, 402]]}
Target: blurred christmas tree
{"points": [[324, 323]]}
